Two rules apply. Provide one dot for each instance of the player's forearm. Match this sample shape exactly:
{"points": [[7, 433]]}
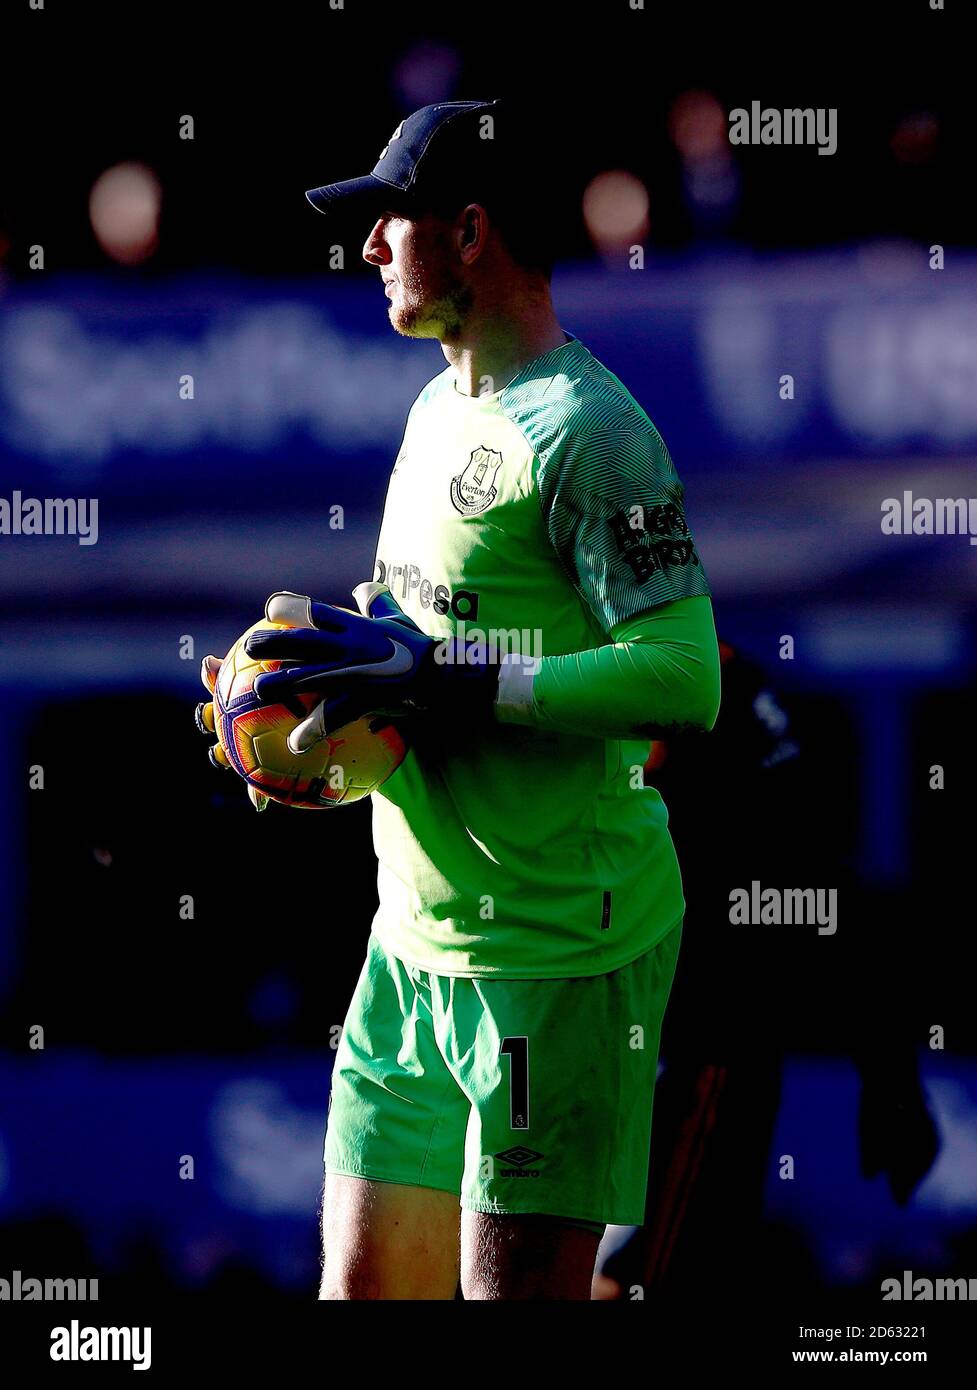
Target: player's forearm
{"points": [[660, 673]]}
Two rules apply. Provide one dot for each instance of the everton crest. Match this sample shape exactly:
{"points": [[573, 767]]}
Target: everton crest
{"points": [[474, 489]]}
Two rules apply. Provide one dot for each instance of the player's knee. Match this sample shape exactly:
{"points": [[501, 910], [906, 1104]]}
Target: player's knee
{"points": [[354, 1270], [479, 1290], [349, 1290], [354, 1281]]}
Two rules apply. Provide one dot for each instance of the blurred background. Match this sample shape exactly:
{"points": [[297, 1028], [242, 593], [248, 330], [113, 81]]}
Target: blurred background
{"points": [[131, 257]]}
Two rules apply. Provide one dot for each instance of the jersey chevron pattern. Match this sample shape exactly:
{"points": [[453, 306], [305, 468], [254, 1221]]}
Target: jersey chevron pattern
{"points": [[540, 517]]}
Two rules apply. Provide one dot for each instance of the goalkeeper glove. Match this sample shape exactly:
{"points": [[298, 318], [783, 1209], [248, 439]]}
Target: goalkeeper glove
{"points": [[378, 663]]}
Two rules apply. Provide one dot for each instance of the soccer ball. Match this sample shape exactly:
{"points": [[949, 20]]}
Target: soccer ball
{"points": [[346, 766]]}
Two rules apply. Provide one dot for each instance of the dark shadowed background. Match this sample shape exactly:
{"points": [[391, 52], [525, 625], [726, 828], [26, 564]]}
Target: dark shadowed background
{"points": [[212, 1037]]}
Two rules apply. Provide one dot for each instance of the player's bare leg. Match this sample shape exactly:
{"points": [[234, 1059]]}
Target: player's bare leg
{"points": [[388, 1241], [525, 1257]]}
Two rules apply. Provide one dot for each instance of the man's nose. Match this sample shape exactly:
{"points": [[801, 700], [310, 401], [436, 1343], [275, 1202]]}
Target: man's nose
{"points": [[375, 249]]}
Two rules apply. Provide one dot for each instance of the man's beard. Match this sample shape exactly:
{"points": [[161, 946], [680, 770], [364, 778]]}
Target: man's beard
{"points": [[440, 315]]}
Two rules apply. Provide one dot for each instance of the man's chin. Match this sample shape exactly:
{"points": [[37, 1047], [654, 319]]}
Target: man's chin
{"points": [[410, 325]]}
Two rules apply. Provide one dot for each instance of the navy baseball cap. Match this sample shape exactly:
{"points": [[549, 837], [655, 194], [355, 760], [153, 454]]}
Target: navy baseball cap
{"points": [[435, 151]]}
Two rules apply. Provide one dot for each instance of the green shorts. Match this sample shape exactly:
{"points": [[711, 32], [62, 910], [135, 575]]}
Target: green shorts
{"points": [[522, 1096]]}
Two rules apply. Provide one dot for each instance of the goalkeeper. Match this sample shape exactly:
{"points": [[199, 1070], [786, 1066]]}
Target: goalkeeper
{"points": [[492, 1092]]}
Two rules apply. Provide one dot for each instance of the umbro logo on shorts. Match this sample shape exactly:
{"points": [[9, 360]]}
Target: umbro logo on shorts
{"points": [[518, 1159]]}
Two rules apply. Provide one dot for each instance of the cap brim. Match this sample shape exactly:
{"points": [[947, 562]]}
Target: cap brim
{"points": [[365, 195]]}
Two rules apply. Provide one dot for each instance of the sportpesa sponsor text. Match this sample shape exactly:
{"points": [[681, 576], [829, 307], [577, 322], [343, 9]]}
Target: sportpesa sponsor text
{"points": [[463, 603]]}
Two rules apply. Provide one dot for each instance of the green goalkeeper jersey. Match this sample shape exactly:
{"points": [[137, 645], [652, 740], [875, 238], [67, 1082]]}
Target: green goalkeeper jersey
{"points": [[541, 517]]}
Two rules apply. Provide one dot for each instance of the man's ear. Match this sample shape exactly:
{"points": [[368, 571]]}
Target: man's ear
{"points": [[473, 228]]}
